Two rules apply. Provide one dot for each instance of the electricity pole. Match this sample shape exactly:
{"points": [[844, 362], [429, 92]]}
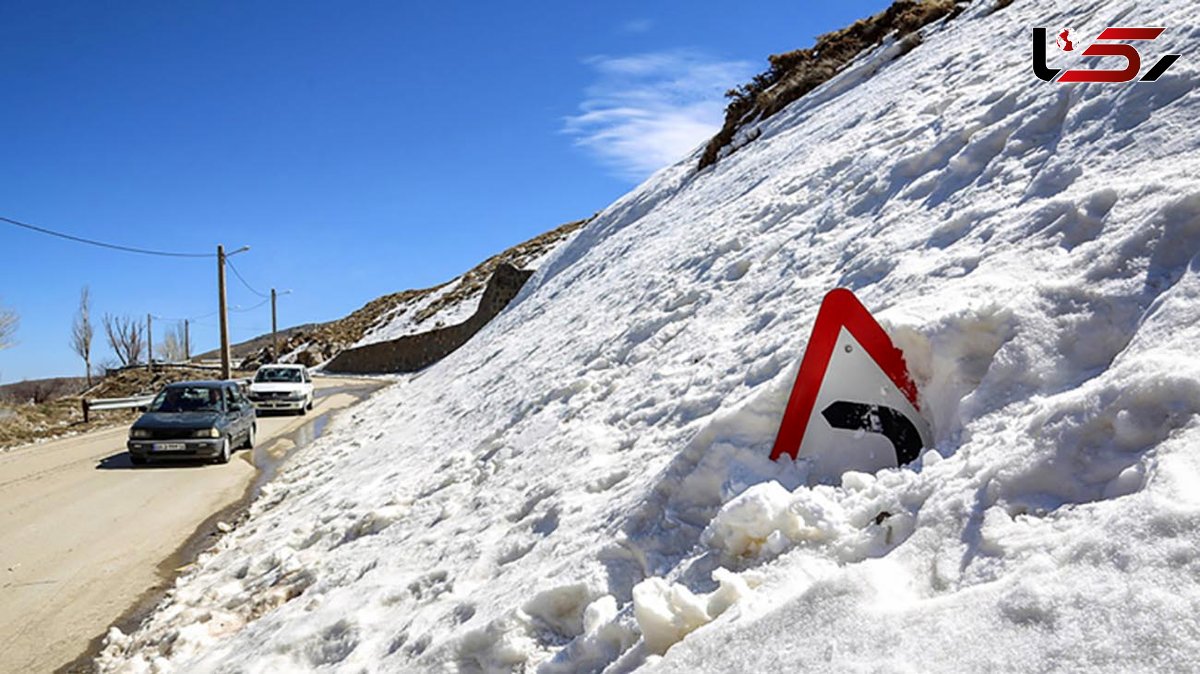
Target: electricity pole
{"points": [[274, 328], [274, 323], [150, 342], [223, 308], [187, 347], [223, 311]]}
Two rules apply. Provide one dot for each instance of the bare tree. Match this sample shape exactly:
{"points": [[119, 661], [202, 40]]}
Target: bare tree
{"points": [[82, 332], [171, 348], [103, 367], [126, 336], [8, 327]]}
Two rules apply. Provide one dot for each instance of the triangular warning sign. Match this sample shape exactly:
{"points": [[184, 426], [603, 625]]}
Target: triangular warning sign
{"points": [[854, 405]]}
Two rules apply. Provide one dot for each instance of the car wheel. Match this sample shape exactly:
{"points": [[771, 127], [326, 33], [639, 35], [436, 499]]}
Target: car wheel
{"points": [[303, 410], [311, 402], [249, 443], [223, 457]]}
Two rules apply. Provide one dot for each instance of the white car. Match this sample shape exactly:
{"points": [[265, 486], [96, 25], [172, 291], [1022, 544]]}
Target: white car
{"points": [[282, 387]]}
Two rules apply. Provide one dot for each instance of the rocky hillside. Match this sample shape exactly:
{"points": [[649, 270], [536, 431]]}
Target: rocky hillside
{"points": [[401, 313], [793, 74]]}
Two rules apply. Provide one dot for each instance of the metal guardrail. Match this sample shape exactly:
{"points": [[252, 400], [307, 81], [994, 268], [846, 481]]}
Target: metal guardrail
{"points": [[101, 404]]}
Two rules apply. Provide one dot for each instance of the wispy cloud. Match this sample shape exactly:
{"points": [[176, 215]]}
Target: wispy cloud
{"points": [[637, 26], [646, 111]]}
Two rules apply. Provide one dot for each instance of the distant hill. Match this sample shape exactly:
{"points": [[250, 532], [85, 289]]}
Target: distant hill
{"points": [[41, 390], [255, 344], [401, 313]]}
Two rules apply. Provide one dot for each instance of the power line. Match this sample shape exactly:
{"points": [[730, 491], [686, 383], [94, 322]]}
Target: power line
{"points": [[186, 318], [239, 310], [199, 319], [101, 244], [239, 277], [242, 328]]}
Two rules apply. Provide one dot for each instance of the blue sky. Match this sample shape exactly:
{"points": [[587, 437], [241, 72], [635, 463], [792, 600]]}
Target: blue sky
{"points": [[358, 148]]}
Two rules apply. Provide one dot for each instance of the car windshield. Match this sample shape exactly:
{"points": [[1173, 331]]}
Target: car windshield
{"points": [[278, 374], [187, 399]]}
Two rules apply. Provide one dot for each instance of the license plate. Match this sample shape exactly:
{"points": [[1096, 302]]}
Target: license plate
{"points": [[169, 446]]}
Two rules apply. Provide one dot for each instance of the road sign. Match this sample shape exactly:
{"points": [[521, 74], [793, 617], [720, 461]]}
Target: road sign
{"points": [[854, 405]]}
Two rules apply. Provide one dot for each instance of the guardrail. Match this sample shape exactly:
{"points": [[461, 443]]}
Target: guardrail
{"points": [[101, 404]]}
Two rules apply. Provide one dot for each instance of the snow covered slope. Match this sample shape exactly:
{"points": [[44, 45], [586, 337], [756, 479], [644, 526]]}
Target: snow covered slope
{"points": [[584, 486], [401, 313], [454, 302]]}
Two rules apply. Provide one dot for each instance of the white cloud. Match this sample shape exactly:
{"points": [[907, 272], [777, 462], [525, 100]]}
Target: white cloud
{"points": [[637, 26], [646, 111]]}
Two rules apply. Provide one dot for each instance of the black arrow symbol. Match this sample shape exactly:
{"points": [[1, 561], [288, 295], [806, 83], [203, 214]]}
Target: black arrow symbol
{"points": [[886, 421]]}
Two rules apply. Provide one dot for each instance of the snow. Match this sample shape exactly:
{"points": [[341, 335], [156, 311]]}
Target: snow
{"points": [[402, 320], [585, 485]]}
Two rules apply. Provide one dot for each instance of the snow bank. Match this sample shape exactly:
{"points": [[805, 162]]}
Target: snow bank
{"points": [[402, 320], [442, 307], [584, 486]]}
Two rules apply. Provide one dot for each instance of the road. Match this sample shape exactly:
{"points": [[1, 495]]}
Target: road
{"points": [[84, 535]]}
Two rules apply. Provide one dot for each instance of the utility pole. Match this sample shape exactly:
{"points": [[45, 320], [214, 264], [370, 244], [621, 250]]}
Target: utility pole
{"points": [[224, 312], [224, 309], [187, 347], [274, 328], [275, 323], [150, 342]]}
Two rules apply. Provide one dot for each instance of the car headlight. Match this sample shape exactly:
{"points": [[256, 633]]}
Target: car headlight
{"points": [[208, 433], [139, 433], [297, 395]]}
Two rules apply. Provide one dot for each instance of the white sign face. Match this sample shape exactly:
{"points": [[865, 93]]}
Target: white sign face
{"points": [[846, 429], [854, 405]]}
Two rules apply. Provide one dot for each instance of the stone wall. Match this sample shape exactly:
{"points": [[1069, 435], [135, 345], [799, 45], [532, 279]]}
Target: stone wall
{"points": [[416, 352]]}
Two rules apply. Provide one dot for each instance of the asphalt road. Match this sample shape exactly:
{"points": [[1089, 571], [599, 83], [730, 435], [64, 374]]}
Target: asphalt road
{"points": [[84, 534]]}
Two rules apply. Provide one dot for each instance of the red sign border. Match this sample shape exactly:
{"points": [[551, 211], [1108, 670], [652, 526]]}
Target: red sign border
{"points": [[840, 308]]}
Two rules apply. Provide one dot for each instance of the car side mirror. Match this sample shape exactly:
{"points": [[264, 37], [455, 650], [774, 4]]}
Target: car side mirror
{"points": [[143, 408]]}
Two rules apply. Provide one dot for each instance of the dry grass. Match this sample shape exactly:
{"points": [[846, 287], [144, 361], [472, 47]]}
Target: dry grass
{"points": [[24, 422], [795, 73], [28, 423], [141, 381]]}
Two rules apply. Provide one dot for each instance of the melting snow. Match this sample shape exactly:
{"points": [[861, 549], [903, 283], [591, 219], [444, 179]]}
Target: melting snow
{"points": [[584, 486]]}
